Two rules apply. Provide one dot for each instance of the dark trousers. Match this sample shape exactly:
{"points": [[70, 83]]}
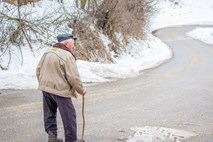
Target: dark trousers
{"points": [[50, 104]]}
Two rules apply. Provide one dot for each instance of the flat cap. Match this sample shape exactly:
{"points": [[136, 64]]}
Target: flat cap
{"points": [[63, 37]]}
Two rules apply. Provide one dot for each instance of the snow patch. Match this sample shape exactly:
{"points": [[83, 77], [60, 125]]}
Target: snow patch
{"points": [[203, 34], [159, 134]]}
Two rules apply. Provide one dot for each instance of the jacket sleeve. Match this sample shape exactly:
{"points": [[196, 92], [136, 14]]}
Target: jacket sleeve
{"points": [[38, 68], [73, 76]]}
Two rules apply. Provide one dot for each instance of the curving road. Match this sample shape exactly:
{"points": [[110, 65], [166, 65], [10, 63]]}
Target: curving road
{"points": [[177, 94]]}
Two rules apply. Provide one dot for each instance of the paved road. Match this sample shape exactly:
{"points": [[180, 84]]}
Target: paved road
{"points": [[177, 94]]}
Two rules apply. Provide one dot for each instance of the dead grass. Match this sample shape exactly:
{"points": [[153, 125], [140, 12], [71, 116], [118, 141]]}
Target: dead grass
{"points": [[128, 17], [89, 46]]}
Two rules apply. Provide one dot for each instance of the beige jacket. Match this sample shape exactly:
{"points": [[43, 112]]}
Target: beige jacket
{"points": [[57, 73]]}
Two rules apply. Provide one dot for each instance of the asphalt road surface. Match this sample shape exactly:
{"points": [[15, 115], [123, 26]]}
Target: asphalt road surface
{"points": [[177, 94]]}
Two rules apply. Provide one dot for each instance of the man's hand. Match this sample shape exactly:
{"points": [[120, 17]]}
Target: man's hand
{"points": [[84, 93]]}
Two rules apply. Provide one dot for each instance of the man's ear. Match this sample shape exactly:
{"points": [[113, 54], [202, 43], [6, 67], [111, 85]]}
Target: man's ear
{"points": [[65, 43]]}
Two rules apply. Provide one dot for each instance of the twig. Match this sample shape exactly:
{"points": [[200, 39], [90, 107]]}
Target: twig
{"points": [[20, 22]]}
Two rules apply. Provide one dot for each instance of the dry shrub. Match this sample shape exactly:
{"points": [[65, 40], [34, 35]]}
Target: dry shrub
{"points": [[89, 46], [128, 17]]}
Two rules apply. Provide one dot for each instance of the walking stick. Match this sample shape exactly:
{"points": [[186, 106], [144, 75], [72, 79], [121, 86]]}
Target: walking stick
{"points": [[83, 116]]}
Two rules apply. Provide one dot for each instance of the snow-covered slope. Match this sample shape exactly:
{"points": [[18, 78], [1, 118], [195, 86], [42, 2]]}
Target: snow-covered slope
{"points": [[140, 55]]}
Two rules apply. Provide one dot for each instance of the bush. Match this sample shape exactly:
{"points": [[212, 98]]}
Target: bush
{"points": [[128, 17]]}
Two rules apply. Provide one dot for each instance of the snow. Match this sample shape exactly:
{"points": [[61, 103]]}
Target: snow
{"points": [[139, 55], [186, 12], [159, 134], [137, 58], [203, 34]]}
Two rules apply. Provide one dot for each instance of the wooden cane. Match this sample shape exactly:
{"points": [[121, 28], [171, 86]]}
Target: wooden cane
{"points": [[83, 116]]}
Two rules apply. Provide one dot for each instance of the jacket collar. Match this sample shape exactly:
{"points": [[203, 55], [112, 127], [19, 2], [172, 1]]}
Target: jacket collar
{"points": [[64, 47]]}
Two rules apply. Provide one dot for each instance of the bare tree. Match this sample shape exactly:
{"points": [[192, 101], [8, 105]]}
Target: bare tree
{"points": [[21, 24], [127, 17], [19, 27]]}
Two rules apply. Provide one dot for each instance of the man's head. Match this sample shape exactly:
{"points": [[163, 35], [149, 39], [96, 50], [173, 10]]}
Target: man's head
{"points": [[67, 39]]}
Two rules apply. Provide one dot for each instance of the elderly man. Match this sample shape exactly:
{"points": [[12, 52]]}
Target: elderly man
{"points": [[59, 80]]}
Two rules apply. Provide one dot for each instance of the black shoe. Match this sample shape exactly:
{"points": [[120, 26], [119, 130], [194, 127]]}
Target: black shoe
{"points": [[79, 140], [52, 137]]}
